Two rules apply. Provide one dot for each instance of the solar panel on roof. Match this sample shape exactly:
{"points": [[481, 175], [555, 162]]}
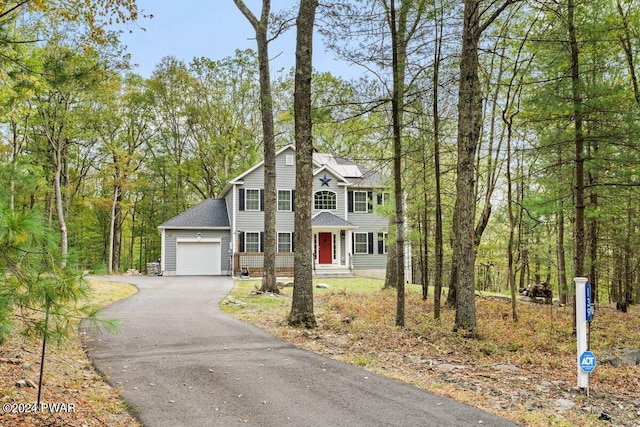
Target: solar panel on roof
{"points": [[348, 171], [324, 158]]}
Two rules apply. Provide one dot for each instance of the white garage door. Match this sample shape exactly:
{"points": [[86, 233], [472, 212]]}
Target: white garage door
{"points": [[198, 258]]}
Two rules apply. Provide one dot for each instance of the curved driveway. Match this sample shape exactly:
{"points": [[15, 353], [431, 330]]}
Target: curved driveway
{"points": [[180, 361]]}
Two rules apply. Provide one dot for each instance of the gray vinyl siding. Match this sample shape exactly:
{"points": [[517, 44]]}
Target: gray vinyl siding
{"points": [[285, 180], [333, 186], [251, 221], [171, 235], [369, 223], [170, 249], [230, 208], [373, 261]]}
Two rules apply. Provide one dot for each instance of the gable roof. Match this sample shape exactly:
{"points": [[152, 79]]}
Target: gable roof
{"points": [[211, 213], [352, 172], [330, 170], [344, 169], [251, 169], [369, 178], [327, 219]]}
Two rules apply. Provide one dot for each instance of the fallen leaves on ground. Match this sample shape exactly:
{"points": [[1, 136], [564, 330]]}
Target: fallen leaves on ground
{"points": [[75, 395], [524, 371]]}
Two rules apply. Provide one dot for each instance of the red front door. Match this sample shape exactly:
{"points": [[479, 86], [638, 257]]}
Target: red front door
{"points": [[325, 248]]}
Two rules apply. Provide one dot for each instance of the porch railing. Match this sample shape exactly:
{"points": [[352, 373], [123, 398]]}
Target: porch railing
{"points": [[253, 262]]}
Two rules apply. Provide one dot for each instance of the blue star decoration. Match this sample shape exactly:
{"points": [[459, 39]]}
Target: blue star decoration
{"points": [[324, 180]]}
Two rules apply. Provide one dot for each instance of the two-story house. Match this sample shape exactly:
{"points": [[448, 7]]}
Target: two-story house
{"points": [[225, 235]]}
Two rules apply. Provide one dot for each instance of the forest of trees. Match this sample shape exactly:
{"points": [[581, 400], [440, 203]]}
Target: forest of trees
{"points": [[511, 127]]}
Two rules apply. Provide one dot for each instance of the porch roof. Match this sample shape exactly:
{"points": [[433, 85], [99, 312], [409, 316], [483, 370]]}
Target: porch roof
{"points": [[329, 220]]}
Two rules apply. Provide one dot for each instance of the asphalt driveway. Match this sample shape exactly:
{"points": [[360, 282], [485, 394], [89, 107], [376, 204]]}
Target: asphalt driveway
{"points": [[180, 361]]}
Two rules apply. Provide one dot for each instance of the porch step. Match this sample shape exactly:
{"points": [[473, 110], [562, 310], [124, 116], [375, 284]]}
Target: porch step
{"points": [[332, 273]]}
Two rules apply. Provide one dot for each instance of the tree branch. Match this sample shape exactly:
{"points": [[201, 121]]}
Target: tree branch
{"points": [[17, 6], [248, 14], [494, 16]]}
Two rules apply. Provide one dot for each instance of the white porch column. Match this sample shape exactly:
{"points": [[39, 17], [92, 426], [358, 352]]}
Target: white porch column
{"points": [[348, 246]]}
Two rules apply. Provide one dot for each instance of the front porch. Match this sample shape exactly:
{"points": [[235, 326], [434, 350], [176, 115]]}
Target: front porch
{"points": [[252, 263], [331, 251]]}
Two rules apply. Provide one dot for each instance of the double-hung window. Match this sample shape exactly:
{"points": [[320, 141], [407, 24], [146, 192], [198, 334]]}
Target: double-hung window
{"points": [[284, 200], [252, 200], [252, 242], [361, 243], [360, 201], [284, 242]]}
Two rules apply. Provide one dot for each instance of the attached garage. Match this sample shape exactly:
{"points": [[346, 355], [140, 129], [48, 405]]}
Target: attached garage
{"points": [[198, 258], [197, 242]]}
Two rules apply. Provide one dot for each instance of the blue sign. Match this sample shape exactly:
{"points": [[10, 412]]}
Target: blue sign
{"points": [[587, 361], [589, 306]]}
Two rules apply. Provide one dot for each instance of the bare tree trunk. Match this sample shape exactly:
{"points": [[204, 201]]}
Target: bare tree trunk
{"points": [[469, 127], [524, 281], [536, 263], [266, 107], [593, 231], [54, 134], [16, 149], [469, 122], [439, 251], [392, 266], [117, 233], [511, 274], [624, 298], [577, 101], [576, 88], [57, 184], [302, 302], [112, 226], [398, 41], [562, 267], [509, 112], [132, 238], [424, 248], [614, 290], [452, 295], [629, 52]]}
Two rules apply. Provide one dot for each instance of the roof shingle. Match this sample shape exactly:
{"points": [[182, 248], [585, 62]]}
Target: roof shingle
{"points": [[209, 213], [327, 219]]}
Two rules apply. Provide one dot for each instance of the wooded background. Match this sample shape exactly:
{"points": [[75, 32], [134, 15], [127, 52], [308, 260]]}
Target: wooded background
{"points": [[106, 155]]}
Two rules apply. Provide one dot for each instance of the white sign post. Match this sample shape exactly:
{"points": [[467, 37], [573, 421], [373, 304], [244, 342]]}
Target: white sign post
{"points": [[583, 355]]}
